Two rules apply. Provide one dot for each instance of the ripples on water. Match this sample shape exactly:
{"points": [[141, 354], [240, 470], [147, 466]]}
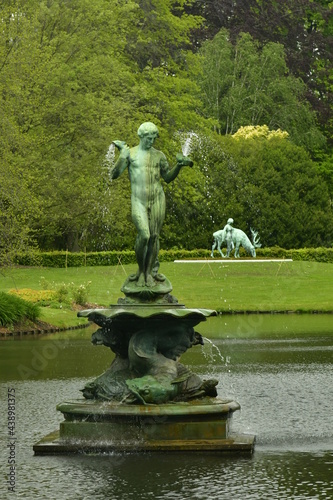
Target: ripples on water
{"points": [[285, 390]]}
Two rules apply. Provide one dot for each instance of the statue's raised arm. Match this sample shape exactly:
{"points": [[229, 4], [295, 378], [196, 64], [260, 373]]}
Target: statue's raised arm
{"points": [[123, 160], [182, 161]]}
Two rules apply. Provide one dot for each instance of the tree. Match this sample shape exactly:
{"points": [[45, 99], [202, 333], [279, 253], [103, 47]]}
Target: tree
{"points": [[303, 27], [17, 211], [244, 84], [325, 170], [75, 75], [187, 216], [18, 205]]}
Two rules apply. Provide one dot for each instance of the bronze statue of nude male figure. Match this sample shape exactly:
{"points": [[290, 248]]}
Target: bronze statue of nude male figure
{"points": [[146, 165]]}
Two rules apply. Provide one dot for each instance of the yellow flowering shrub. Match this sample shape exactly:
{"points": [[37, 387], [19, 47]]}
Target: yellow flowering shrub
{"points": [[34, 296], [256, 131]]}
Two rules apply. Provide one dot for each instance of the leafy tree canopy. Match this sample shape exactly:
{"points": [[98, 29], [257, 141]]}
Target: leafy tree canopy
{"points": [[303, 27], [73, 77], [244, 84]]}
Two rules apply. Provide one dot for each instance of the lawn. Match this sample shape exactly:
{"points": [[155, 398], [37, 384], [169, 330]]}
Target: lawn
{"points": [[226, 287]]}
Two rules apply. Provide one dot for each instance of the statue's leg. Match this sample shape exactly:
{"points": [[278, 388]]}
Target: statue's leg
{"points": [[213, 248], [237, 252], [140, 220], [156, 214], [228, 241], [219, 249]]}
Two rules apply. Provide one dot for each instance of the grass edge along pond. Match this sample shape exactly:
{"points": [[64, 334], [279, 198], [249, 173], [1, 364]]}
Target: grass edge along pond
{"points": [[228, 287]]}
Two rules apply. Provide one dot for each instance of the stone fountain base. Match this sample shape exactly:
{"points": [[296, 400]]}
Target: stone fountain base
{"points": [[199, 425]]}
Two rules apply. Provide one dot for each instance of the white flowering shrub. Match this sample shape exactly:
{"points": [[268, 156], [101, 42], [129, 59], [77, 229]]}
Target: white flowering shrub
{"points": [[67, 292]]}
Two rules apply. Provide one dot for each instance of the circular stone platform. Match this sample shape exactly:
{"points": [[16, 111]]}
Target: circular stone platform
{"points": [[198, 425]]}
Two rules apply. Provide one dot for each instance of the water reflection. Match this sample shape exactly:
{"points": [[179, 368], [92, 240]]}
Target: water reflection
{"points": [[284, 384], [267, 325]]}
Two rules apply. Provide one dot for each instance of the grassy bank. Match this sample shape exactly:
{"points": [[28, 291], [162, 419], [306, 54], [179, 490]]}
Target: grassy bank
{"points": [[226, 287]]}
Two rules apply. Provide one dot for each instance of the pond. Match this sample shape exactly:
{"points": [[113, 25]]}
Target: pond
{"points": [[278, 367]]}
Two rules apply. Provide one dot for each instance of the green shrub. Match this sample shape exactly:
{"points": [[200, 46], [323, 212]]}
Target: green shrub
{"points": [[65, 293], [113, 258], [13, 310], [312, 254], [80, 293], [273, 253], [61, 291]]}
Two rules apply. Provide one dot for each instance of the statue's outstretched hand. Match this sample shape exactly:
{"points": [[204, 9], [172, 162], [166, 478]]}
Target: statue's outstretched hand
{"points": [[184, 161], [119, 144], [123, 148]]}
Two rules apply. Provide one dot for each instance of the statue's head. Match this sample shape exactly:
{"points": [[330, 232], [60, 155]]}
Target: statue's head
{"points": [[230, 221], [147, 133], [147, 128]]}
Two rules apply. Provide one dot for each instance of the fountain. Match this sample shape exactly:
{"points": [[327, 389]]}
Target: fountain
{"points": [[147, 400]]}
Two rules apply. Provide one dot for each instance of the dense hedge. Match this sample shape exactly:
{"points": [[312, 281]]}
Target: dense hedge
{"points": [[75, 259], [112, 258], [312, 254]]}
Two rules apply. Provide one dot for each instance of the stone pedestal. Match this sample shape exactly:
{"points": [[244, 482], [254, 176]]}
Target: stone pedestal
{"points": [[200, 425], [147, 400]]}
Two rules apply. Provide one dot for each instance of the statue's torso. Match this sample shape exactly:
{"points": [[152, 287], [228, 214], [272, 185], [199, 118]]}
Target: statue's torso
{"points": [[144, 172]]}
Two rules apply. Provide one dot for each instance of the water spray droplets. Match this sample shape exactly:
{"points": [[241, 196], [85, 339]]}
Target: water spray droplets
{"points": [[109, 159], [213, 354], [186, 139]]}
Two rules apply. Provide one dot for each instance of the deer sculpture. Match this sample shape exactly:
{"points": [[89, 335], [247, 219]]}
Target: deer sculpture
{"points": [[219, 238], [237, 239]]}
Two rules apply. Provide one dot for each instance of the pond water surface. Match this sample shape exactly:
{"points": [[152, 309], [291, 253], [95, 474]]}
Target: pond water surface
{"points": [[279, 368]]}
